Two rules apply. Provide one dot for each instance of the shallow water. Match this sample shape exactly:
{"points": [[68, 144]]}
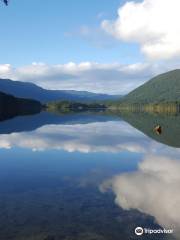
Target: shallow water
{"points": [[89, 176]]}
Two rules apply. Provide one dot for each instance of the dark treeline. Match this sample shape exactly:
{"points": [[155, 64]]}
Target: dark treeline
{"points": [[11, 106], [66, 106]]}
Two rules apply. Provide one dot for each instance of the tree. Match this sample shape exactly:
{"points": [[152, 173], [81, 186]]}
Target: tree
{"points": [[5, 2]]}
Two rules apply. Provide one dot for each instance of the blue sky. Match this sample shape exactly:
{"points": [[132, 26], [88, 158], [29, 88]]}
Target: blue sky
{"points": [[104, 46], [51, 32]]}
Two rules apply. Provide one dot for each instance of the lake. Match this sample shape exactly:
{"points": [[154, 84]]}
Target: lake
{"points": [[89, 176]]}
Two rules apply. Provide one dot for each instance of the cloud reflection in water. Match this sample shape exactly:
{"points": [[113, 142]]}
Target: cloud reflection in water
{"points": [[153, 189], [109, 136]]}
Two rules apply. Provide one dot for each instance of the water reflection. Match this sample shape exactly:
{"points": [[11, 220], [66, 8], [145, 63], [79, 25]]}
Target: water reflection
{"points": [[162, 128], [88, 133], [168, 131], [153, 189], [110, 136], [51, 168]]}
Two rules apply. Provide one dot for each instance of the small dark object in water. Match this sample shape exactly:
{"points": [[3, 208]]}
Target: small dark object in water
{"points": [[158, 129]]}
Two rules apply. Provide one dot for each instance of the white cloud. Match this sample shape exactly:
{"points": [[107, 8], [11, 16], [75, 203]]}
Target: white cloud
{"points": [[153, 189], [113, 78], [154, 24], [5, 70]]}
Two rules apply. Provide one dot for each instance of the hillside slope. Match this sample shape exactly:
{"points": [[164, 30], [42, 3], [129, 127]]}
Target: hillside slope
{"points": [[11, 106], [32, 91], [163, 88]]}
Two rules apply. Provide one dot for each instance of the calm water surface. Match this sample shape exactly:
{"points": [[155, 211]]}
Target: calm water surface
{"points": [[89, 177]]}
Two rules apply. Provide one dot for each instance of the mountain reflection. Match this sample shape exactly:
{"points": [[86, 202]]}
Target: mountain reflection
{"points": [[146, 123], [49, 192], [91, 132], [87, 133], [111, 136]]}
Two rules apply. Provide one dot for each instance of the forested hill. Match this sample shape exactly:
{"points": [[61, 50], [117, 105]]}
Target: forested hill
{"points": [[163, 88], [11, 106]]}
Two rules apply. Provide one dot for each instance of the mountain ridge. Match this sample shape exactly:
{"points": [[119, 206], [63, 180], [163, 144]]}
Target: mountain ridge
{"points": [[33, 91]]}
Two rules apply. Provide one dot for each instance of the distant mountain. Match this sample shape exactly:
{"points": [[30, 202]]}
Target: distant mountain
{"points": [[30, 90], [163, 88], [11, 106]]}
